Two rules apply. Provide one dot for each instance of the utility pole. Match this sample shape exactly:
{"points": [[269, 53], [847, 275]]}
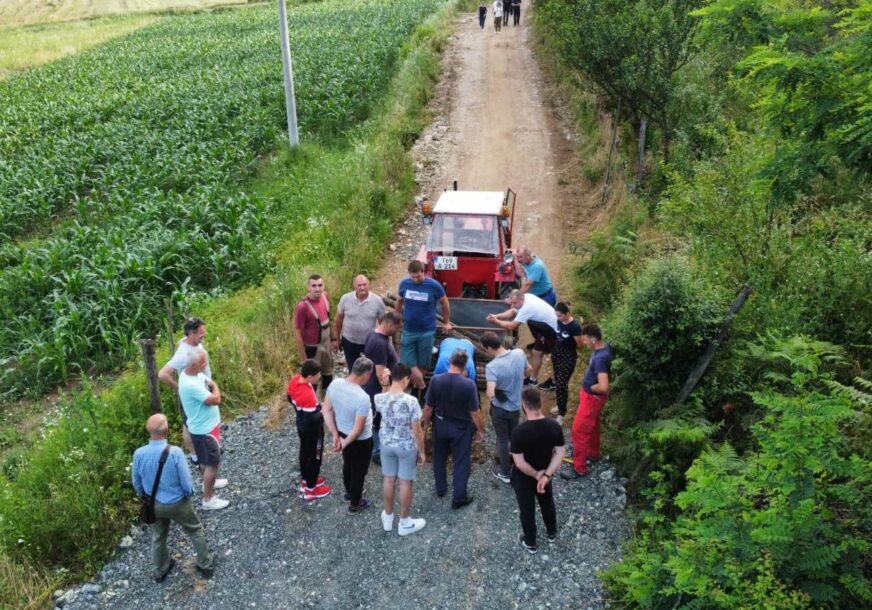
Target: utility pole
{"points": [[290, 100]]}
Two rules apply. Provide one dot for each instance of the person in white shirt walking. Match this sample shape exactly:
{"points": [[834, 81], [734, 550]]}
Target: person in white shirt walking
{"points": [[498, 15]]}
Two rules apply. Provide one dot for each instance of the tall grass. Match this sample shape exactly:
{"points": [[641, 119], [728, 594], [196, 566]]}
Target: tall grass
{"points": [[67, 497]]}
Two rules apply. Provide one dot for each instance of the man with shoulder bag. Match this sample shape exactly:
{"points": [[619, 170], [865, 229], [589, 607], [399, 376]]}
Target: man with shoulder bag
{"points": [[163, 483]]}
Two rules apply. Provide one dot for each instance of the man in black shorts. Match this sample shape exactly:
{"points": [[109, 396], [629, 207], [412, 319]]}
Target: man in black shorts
{"points": [[537, 451], [541, 320]]}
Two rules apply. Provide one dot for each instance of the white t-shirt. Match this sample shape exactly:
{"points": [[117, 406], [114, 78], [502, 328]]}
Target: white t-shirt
{"points": [[498, 8], [537, 310], [180, 359]]}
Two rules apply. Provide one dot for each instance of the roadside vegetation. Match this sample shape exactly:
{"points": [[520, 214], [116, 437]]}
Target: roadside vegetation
{"points": [[329, 207], [743, 157]]}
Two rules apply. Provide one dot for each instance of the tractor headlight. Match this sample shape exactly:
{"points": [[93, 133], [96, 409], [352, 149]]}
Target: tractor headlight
{"points": [[509, 257]]}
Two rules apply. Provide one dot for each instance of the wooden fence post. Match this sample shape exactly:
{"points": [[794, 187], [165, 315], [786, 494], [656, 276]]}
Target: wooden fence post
{"points": [[698, 371], [615, 120], [147, 346]]}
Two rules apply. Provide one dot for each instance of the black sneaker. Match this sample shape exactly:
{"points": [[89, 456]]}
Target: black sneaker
{"points": [[530, 549], [455, 504], [571, 474], [552, 538], [364, 504], [547, 386], [163, 575], [529, 381]]}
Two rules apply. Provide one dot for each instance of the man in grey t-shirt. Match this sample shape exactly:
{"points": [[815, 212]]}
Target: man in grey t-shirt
{"points": [[505, 374], [348, 416], [357, 314]]}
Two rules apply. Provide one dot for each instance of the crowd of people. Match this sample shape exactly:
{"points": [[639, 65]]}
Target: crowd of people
{"points": [[502, 10], [384, 408]]}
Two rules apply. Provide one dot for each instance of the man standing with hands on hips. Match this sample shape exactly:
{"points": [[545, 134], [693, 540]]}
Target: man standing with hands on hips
{"points": [[417, 300], [591, 400]]}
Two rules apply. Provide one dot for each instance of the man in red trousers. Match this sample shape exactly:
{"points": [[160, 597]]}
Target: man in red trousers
{"points": [[591, 400]]}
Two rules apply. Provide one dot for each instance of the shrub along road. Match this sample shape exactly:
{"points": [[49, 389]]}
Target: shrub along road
{"points": [[493, 129]]}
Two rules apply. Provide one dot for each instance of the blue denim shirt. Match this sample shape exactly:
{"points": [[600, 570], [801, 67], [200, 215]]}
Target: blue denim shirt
{"points": [[175, 481]]}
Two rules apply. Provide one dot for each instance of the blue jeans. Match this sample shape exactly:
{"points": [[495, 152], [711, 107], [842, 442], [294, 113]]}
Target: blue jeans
{"points": [[549, 297], [456, 437]]}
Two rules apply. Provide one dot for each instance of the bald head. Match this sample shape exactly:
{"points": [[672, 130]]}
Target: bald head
{"points": [[157, 426], [361, 286]]}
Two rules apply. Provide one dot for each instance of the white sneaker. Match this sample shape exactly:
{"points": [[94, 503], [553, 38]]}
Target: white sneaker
{"points": [[220, 484], [215, 503], [387, 521], [559, 419], [555, 411], [411, 526]]}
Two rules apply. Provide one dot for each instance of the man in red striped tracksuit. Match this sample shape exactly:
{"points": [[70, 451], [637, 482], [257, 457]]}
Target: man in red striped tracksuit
{"points": [[310, 429], [591, 400]]}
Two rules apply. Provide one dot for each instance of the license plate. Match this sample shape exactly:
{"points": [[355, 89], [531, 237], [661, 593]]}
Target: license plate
{"points": [[445, 263]]}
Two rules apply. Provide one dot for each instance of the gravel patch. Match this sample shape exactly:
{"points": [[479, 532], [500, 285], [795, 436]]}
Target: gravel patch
{"points": [[274, 550]]}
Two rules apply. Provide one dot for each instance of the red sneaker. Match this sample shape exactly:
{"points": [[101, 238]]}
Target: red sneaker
{"points": [[319, 483], [317, 493]]}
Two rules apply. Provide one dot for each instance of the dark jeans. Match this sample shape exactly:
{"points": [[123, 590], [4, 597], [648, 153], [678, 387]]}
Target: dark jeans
{"points": [[517, 13], [352, 352], [455, 437], [525, 492], [563, 360], [481, 19], [355, 465], [504, 423], [311, 446]]}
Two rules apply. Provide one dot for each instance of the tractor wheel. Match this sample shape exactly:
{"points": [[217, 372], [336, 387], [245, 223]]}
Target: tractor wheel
{"points": [[505, 290]]}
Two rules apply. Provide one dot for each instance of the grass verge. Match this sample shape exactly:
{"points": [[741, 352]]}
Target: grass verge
{"points": [[65, 499]]}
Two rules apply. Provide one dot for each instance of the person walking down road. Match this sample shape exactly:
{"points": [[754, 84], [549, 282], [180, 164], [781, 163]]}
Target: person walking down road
{"points": [[537, 451], [201, 398], [507, 11], [591, 399], [535, 279], [563, 358], [312, 325], [379, 348], [516, 11], [310, 429], [356, 316], [348, 415], [416, 302], [172, 500], [452, 405], [540, 318], [195, 332], [504, 374], [448, 347], [498, 15], [402, 449], [482, 14]]}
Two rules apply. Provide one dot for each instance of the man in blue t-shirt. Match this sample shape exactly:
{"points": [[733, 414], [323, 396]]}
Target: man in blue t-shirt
{"points": [[417, 300], [448, 347], [535, 279], [591, 399]]}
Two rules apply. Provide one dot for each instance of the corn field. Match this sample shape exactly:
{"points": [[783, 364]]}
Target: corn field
{"points": [[123, 170]]}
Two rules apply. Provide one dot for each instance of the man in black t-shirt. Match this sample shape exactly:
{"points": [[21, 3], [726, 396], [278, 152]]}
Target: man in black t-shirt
{"points": [[379, 348], [452, 402], [537, 450]]}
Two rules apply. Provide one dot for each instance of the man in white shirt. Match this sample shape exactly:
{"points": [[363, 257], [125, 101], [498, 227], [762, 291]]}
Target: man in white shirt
{"points": [[195, 332], [498, 15], [540, 318]]}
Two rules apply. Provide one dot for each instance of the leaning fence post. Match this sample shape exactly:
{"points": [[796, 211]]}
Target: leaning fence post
{"points": [[147, 346]]}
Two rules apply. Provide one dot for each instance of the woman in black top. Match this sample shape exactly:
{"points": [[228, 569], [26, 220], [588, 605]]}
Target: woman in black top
{"points": [[482, 14], [564, 356]]}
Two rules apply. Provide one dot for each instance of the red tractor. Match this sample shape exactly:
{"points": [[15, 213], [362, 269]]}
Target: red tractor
{"points": [[468, 249]]}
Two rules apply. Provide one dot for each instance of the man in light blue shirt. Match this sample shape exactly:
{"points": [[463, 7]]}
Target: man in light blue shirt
{"points": [[200, 398], [535, 279], [448, 347], [172, 500], [348, 415]]}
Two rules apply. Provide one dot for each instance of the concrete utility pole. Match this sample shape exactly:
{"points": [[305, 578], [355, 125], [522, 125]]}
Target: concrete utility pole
{"points": [[290, 100]]}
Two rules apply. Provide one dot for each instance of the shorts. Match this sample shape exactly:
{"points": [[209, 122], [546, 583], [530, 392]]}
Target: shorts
{"points": [[544, 337], [208, 447], [416, 349], [402, 463]]}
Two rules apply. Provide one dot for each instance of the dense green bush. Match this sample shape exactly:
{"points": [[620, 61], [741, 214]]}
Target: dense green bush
{"points": [[787, 525]]}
